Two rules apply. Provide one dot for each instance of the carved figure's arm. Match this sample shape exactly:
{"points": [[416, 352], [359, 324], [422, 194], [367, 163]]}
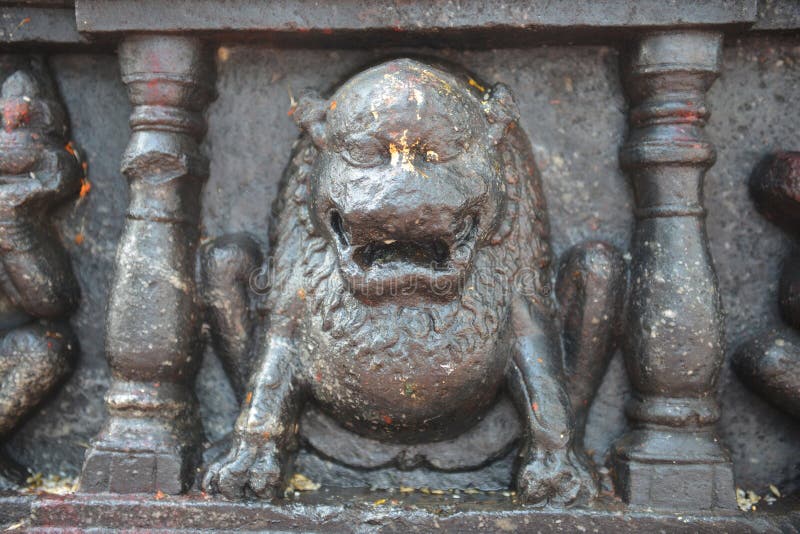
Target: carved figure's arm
{"points": [[590, 289], [269, 407], [265, 429], [36, 273]]}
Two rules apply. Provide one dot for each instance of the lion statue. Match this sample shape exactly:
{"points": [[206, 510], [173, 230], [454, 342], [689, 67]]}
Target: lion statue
{"points": [[411, 283]]}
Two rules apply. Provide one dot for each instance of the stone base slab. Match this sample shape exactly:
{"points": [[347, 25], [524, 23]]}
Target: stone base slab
{"points": [[335, 510]]}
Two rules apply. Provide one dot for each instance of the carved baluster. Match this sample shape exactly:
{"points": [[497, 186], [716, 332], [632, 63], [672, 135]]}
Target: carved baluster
{"points": [[671, 457], [151, 440]]}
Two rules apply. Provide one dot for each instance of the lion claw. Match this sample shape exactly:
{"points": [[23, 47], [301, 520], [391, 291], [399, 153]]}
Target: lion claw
{"points": [[244, 470], [558, 477]]}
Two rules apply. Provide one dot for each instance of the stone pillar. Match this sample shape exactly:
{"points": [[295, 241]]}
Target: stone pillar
{"points": [[152, 439], [671, 457]]}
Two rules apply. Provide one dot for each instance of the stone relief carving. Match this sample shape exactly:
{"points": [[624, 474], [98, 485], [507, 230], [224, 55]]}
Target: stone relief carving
{"points": [[410, 286], [770, 363], [38, 169], [410, 333]]}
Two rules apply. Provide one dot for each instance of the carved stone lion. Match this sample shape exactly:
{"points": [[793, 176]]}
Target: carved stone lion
{"points": [[411, 284]]}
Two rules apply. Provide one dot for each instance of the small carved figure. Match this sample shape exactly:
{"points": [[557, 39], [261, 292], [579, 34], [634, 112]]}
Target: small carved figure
{"points": [[37, 287], [410, 284], [770, 363]]}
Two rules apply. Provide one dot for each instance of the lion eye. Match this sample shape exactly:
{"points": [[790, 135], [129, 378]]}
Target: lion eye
{"points": [[370, 155]]}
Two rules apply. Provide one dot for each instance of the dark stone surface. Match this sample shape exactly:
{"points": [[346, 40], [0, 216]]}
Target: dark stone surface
{"points": [[152, 439], [411, 284], [572, 107], [749, 251], [63, 427], [777, 15]]}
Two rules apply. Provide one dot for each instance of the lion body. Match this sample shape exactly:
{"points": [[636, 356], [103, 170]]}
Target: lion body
{"points": [[428, 371]]}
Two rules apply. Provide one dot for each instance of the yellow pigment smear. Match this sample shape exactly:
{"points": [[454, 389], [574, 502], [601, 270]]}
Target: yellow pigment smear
{"points": [[477, 86], [402, 153]]}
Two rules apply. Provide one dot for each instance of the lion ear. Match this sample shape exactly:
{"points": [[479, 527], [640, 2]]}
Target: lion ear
{"points": [[310, 114], [501, 111]]}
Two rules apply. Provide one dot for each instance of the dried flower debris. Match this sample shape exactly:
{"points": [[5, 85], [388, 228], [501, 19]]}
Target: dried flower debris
{"points": [[300, 482], [748, 499], [55, 484]]}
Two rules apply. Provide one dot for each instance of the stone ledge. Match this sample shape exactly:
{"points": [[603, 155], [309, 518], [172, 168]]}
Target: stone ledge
{"points": [[348, 511], [301, 16], [363, 23]]}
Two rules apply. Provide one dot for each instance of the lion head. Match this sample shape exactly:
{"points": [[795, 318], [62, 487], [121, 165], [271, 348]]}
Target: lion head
{"points": [[408, 183]]}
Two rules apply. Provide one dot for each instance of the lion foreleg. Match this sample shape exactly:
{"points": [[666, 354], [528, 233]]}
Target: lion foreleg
{"points": [[266, 428], [550, 469]]}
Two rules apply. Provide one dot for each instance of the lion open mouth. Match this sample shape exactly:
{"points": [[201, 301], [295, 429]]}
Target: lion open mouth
{"points": [[431, 253], [394, 267]]}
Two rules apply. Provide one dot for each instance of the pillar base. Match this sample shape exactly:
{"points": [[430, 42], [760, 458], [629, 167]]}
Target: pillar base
{"points": [[163, 457], [673, 469]]}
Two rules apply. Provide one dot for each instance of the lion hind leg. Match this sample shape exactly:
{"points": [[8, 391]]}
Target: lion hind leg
{"points": [[590, 290], [227, 265]]}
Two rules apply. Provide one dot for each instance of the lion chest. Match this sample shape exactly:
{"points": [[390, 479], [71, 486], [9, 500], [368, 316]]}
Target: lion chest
{"points": [[405, 381]]}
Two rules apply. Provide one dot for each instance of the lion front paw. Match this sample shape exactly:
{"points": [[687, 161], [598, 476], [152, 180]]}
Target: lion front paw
{"points": [[245, 469], [559, 477]]}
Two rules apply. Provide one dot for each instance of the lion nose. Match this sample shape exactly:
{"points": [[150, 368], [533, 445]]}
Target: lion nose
{"points": [[399, 204]]}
